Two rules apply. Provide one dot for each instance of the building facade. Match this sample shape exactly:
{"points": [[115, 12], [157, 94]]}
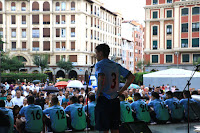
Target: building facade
{"points": [[172, 33], [133, 38], [62, 29]]}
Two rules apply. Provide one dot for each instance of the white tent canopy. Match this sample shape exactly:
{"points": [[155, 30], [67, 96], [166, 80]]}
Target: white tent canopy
{"points": [[173, 77]]}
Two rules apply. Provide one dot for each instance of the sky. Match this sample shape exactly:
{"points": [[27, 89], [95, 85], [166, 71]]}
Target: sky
{"points": [[130, 9]]}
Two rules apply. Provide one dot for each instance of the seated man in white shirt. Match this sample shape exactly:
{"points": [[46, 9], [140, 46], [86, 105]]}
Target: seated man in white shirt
{"points": [[18, 100]]}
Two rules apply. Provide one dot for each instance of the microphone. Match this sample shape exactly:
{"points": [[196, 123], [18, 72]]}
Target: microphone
{"points": [[92, 66]]}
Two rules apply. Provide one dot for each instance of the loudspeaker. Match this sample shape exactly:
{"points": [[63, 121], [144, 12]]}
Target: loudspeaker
{"points": [[134, 127]]}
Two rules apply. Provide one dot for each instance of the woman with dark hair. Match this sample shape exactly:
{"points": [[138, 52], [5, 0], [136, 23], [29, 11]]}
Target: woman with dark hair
{"points": [[81, 99]]}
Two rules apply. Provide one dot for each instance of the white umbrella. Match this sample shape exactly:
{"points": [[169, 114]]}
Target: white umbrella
{"points": [[75, 84]]}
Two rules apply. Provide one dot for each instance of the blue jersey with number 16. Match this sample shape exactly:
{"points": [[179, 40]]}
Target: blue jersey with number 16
{"points": [[33, 115], [112, 72]]}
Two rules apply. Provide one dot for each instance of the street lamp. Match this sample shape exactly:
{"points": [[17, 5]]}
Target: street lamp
{"points": [[177, 53]]}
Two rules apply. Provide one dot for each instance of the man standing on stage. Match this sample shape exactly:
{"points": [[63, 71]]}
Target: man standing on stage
{"points": [[107, 72]]}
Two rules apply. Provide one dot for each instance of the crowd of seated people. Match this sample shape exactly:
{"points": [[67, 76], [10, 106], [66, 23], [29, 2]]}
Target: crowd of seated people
{"points": [[37, 110]]}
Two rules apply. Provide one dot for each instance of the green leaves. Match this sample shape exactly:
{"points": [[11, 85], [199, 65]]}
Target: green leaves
{"points": [[41, 60], [66, 65]]}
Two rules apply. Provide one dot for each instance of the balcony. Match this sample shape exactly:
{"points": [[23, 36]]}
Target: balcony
{"points": [[13, 8], [62, 22], [73, 22], [72, 8], [36, 49], [62, 9], [23, 9], [23, 22], [57, 8]]}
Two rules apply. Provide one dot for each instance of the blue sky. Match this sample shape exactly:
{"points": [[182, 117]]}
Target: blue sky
{"points": [[130, 9]]}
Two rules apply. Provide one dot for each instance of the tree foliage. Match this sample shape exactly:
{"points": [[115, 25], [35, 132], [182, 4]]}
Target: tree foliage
{"points": [[196, 63], [66, 65], [41, 60]]}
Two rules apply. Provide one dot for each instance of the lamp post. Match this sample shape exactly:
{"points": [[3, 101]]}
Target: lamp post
{"points": [[177, 53]]}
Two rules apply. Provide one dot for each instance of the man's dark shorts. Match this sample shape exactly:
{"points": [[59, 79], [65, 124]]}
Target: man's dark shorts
{"points": [[107, 114]]}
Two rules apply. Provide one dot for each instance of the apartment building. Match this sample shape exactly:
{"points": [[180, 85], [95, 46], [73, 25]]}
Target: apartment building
{"points": [[62, 29], [132, 46], [172, 33]]}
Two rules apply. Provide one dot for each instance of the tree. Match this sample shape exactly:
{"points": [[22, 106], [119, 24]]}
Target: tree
{"points": [[41, 60], [196, 62], [66, 65]]}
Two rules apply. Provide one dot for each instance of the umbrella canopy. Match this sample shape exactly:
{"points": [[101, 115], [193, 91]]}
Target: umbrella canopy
{"points": [[36, 81], [134, 86], [61, 84], [75, 84], [50, 89]]}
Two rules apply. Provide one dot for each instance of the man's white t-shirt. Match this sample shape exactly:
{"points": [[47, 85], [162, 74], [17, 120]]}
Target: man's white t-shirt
{"points": [[18, 101], [60, 98]]}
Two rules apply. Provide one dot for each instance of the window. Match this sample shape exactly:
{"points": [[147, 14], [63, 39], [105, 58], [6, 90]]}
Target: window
{"points": [[23, 33], [195, 42], [72, 19], [195, 27], [13, 7], [185, 58], [57, 46], [185, 27], [23, 19], [13, 45], [46, 32], [184, 11], [1, 32], [46, 45], [169, 13], [35, 33], [57, 32], [63, 19], [35, 46], [13, 21], [169, 29], [0, 6], [169, 1], [35, 6], [46, 19], [196, 57], [23, 6], [73, 58], [72, 32], [184, 43], [46, 6], [169, 44], [155, 2], [154, 58], [168, 58], [13, 33], [63, 6], [1, 19], [57, 58], [57, 19], [35, 19], [63, 46], [155, 30], [155, 45], [23, 45], [72, 6], [72, 46], [195, 10], [155, 14], [57, 6], [63, 32]]}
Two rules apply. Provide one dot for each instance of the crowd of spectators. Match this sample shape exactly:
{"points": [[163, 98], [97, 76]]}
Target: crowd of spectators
{"points": [[149, 104]]}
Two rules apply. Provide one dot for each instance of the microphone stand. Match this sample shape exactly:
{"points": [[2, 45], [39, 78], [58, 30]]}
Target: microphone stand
{"points": [[188, 85], [87, 78]]}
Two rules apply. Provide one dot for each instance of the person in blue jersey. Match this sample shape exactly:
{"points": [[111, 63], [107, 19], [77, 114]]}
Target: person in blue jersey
{"points": [[160, 113], [125, 110], [91, 108], [174, 106], [57, 122], [140, 108], [184, 102], [66, 98], [107, 73], [77, 118], [9, 114], [33, 115]]}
